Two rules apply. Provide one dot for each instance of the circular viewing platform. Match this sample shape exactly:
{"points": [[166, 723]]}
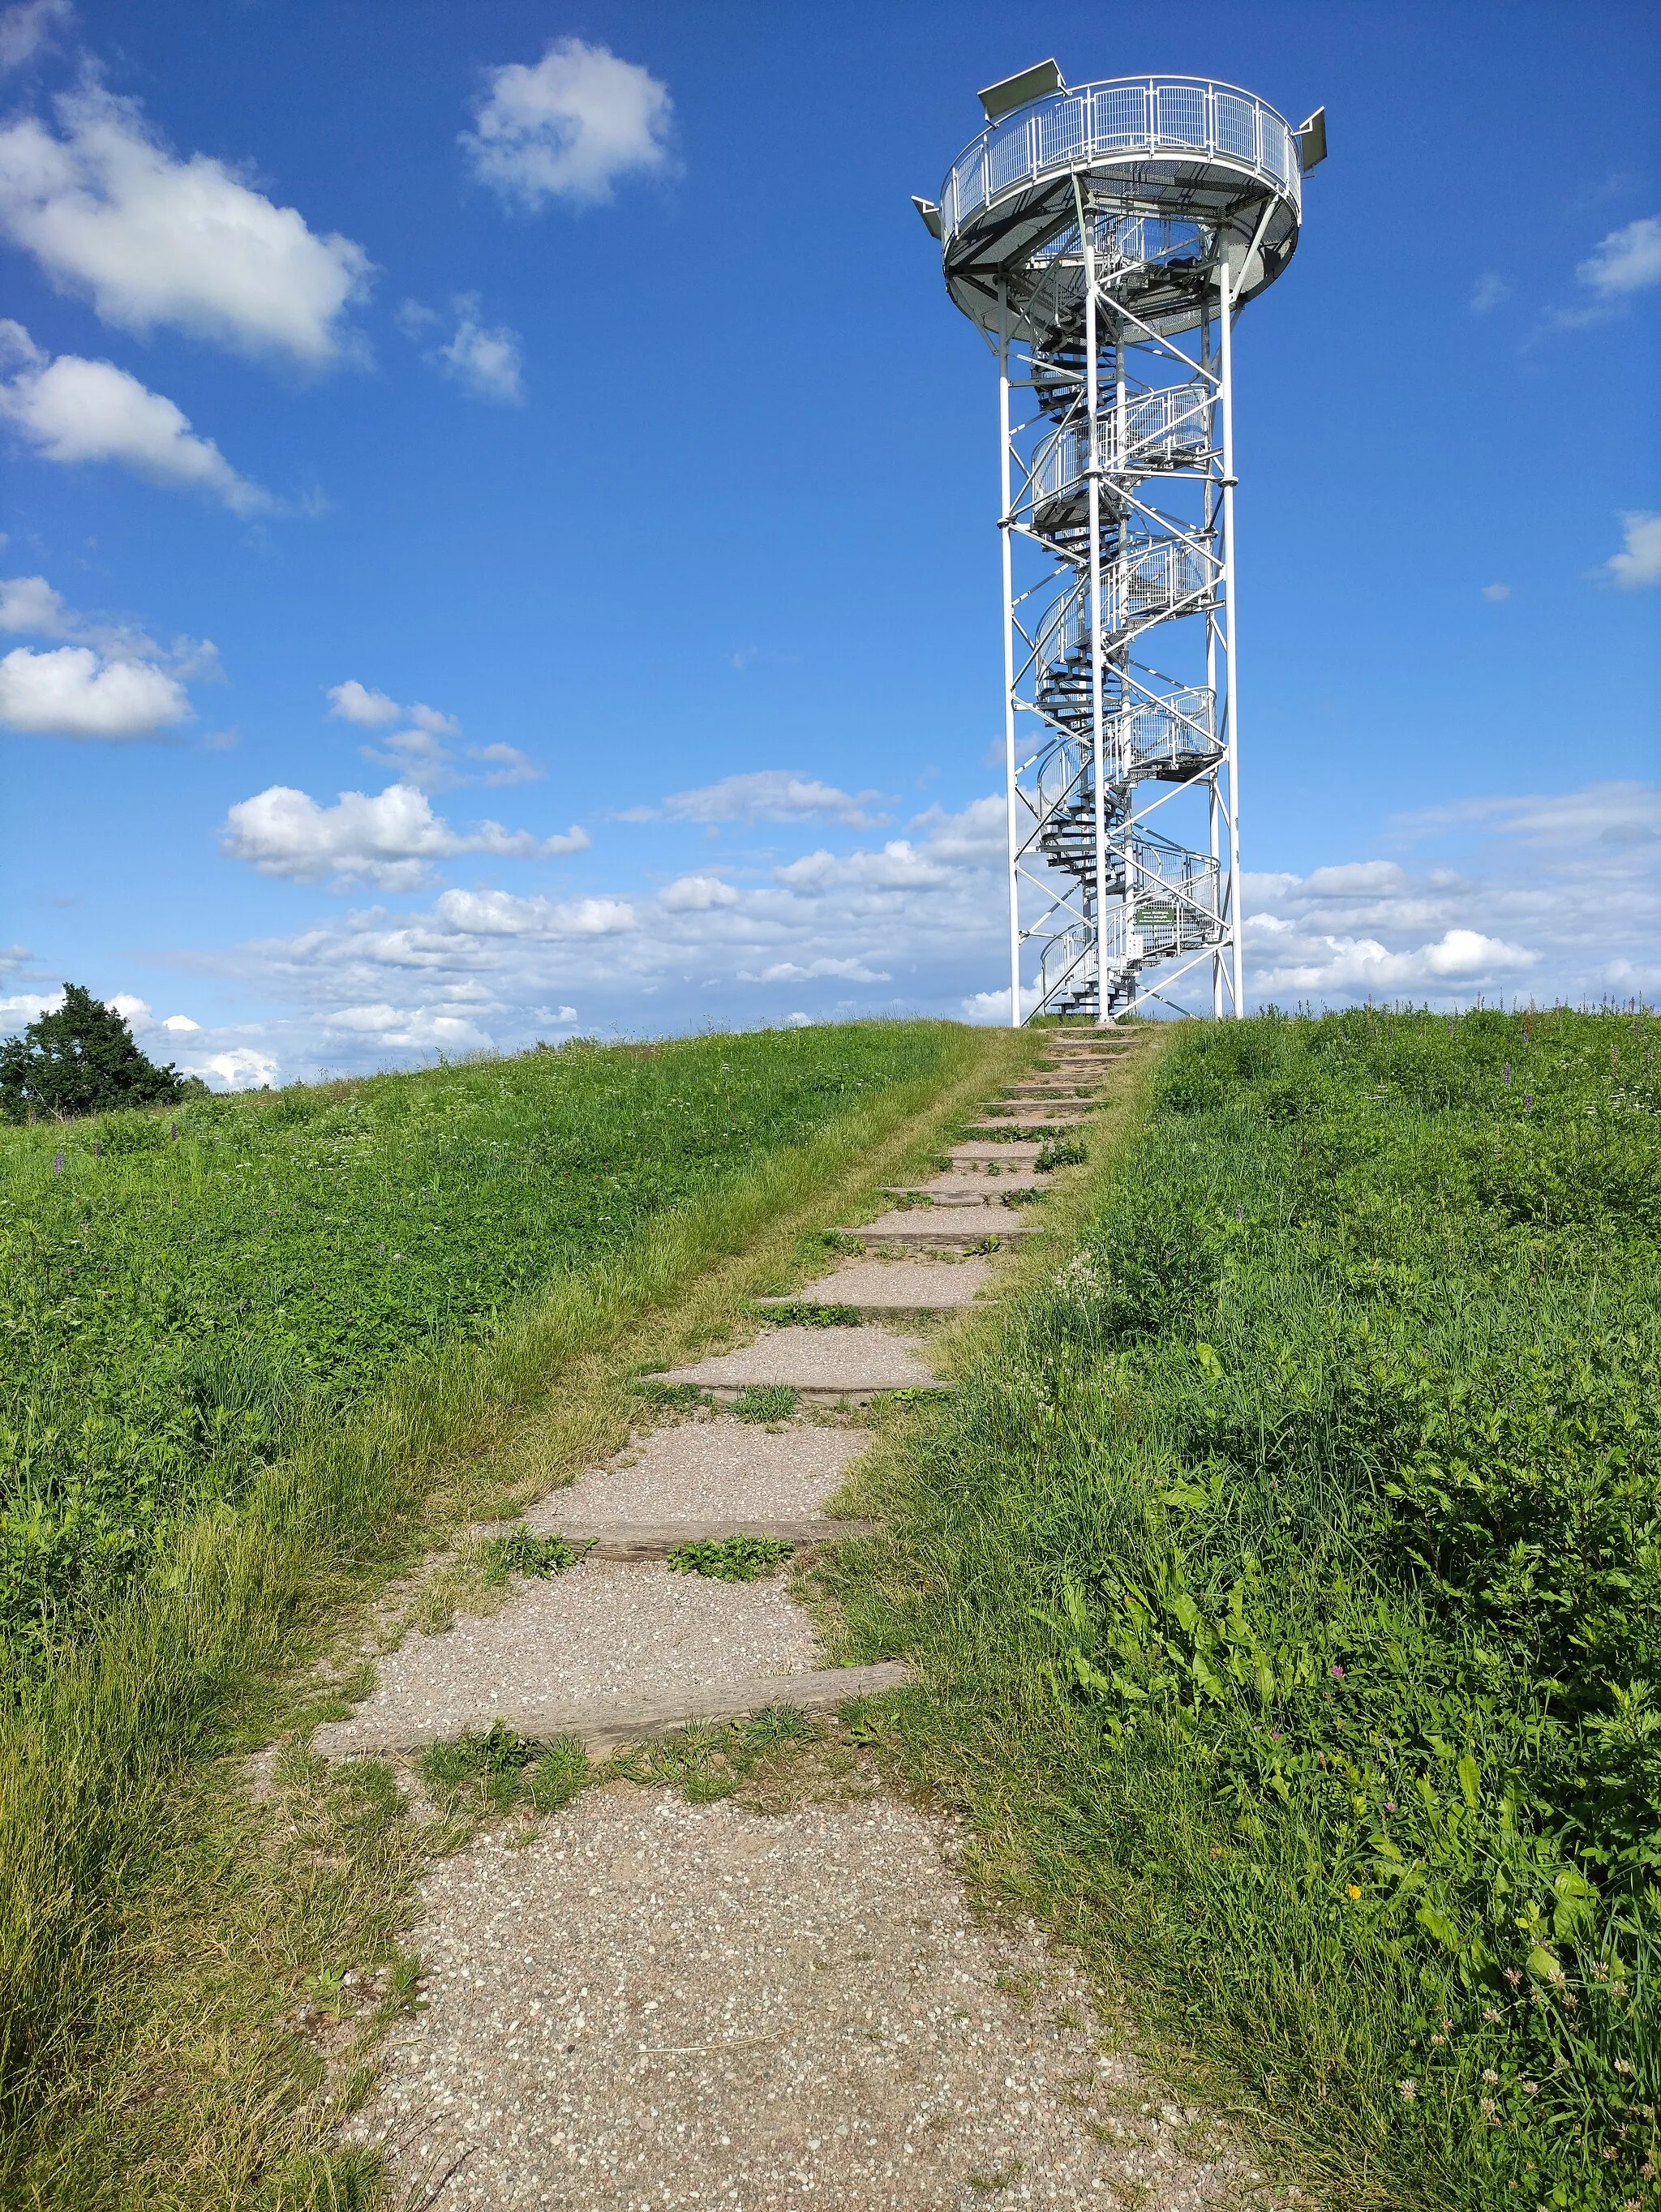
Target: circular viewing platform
{"points": [[1184, 150]]}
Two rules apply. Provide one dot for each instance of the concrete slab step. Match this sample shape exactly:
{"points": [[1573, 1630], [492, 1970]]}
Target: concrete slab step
{"points": [[606, 1725], [896, 1289], [1029, 1122], [656, 1539], [823, 1365], [983, 1153], [709, 1468], [926, 1227], [970, 1189]]}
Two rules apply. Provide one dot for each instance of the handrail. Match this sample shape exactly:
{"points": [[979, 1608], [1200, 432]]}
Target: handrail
{"points": [[1119, 118]]}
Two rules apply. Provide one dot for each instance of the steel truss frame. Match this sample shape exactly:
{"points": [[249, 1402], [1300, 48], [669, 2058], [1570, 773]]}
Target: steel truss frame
{"points": [[1117, 520]]}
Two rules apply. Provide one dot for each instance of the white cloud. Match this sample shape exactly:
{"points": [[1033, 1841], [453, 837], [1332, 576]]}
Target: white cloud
{"points": [[486, 362], [110, 213], [769, 794], [1287, 958], [71, 693], [352, 703], [1496, 592], [1627, 261], [392, 841], [1639, 561], [568, 127], [419, 754], [788, 971], [695, 894], [70, 410], [27, 27], [506, 764], [499, 914], [30, 606], [181, 1025], [1489, 292]]}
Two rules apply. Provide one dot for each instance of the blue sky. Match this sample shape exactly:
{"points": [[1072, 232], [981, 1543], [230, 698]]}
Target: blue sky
{"points": [[550, 427]]}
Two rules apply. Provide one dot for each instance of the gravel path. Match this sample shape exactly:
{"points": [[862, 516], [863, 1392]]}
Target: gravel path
{"points": [[659, 2005], [707, 1470], [597, 1631]]}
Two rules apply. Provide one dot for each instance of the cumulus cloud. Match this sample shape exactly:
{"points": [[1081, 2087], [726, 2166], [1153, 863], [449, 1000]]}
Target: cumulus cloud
{"points": [[392, 840], [568, 127], [69, 692], [352, 703], [789, 971], [70, 410], [695, 894], [505, 764], [1627, 261], [769, 794], [110, 214], [1287, 957], [1639, 562], [28, 27], [1489, 292]]}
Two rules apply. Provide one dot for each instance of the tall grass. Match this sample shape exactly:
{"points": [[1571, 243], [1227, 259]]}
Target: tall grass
{"points": [[1287, 1579], [183, 1660]]}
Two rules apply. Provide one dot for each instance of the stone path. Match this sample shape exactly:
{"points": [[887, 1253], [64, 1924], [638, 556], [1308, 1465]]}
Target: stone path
{"points": [[651, 2002]]}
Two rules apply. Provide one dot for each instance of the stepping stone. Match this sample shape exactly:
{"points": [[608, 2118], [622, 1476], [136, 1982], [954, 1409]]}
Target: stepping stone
{"points": [[709, 1467], [656, 1539], [596, 1639], [824, 1365], [606, 1725], [1031, 1121], [984, 1153], [970, 1189], [938, 1226], [895, 1288]]}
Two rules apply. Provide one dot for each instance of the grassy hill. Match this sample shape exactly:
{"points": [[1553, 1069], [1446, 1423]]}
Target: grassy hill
{"points": [[1286, 1573], [263, 1353]]}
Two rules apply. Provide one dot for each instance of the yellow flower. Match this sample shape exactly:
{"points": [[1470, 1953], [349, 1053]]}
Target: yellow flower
{"points": [[1351, 1890]]}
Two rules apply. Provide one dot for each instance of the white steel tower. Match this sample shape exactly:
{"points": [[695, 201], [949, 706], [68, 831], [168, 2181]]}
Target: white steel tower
{"points": [[1103, 239]]}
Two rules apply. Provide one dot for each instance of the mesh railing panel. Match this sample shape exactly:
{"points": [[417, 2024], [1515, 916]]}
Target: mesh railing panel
{"points": [[1179, 110]]}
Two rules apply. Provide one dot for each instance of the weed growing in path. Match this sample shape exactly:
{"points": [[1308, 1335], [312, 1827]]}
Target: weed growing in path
{"points": [[731, 1558], [765, 1401]]}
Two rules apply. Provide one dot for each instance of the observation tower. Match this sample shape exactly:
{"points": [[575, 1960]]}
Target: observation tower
{"points": [[1103, 239]]}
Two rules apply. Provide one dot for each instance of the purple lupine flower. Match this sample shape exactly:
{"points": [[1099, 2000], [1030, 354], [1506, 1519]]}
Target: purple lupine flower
{"points": [[58, 1164]]}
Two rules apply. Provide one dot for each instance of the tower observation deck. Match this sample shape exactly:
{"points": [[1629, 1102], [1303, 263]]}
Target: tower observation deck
{"points": [[1103, 239]]}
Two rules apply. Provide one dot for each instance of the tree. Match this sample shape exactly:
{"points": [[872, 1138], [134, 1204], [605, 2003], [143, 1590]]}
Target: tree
{"points": [[80, 1059]]}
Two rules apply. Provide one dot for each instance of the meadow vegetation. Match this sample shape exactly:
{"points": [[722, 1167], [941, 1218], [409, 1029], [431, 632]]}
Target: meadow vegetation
{"points": [[1285, 1576]]}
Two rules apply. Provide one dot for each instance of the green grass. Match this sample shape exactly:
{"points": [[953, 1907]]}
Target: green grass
{"points": [[197, 1285], [157, 1927], [1284, 1578]]}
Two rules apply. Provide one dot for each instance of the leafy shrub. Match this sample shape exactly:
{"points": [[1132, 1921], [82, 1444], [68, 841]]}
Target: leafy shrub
{"points": [[522, 1551]]}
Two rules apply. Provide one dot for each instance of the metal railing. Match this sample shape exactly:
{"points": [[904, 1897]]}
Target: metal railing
{"points": [[1127, 117], [1161, 430]]}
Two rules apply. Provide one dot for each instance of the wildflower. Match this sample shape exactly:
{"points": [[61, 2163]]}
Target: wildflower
{"points": [[1487, 2106], [1529, 2089], [1600, 1970], [1389, 1804], [1623, 2065], [1337, 1674], [1492, 2012], [1571, 2001], [1353, 1889], [1409, 2090], [1513, 1975], [1489, 2075], [1438, 2039]]}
